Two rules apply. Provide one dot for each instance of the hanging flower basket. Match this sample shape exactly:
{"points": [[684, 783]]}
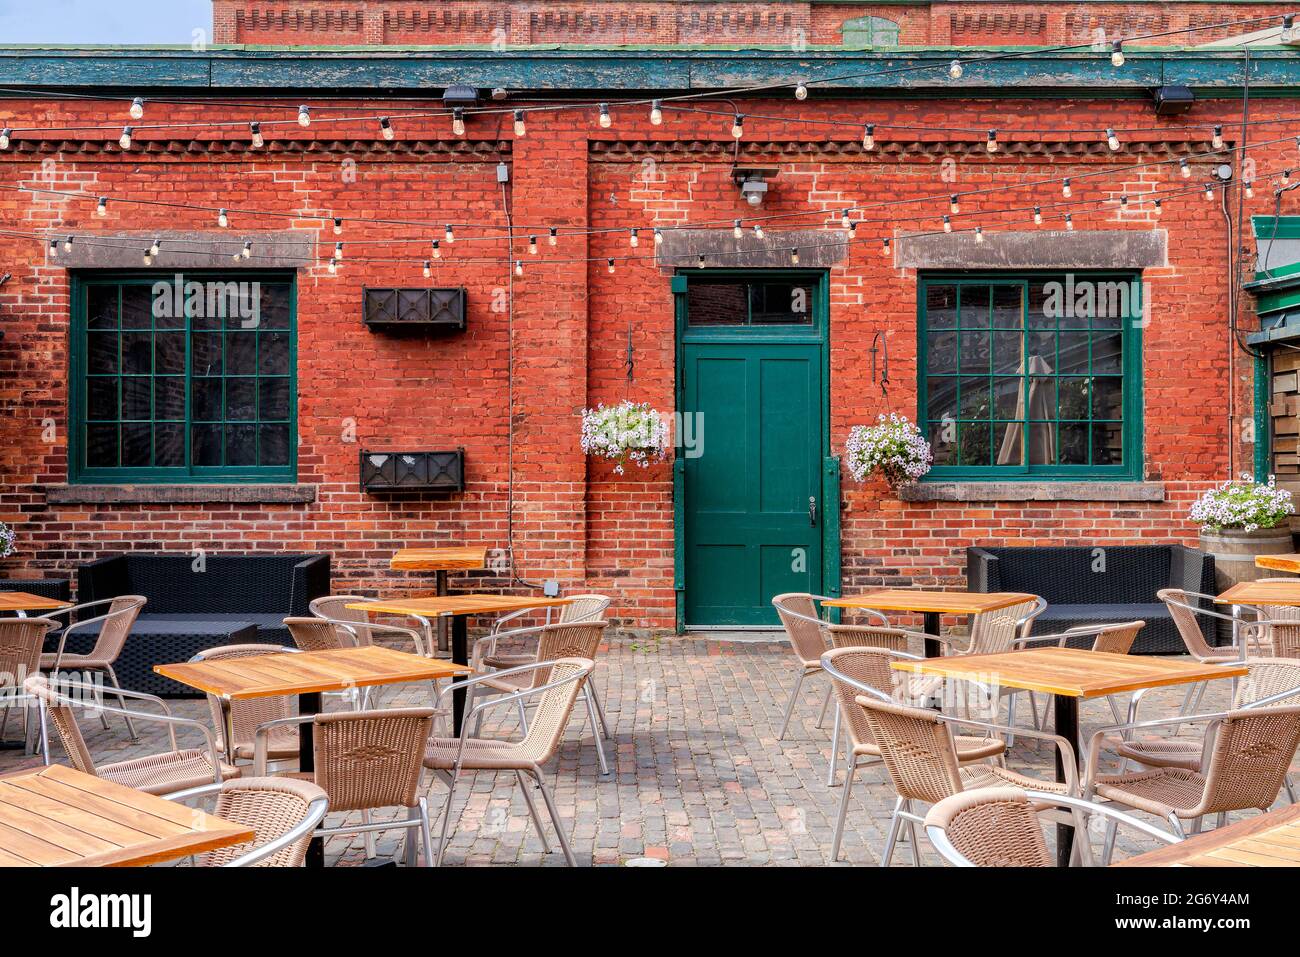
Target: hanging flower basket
{"points": [[8, 540], [627, 432], [894, 447]]}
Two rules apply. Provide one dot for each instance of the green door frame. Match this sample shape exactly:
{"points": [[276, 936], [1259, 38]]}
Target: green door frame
{"points": [[818, 335]]}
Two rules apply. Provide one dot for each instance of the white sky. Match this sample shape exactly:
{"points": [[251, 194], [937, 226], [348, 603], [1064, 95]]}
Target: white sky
{"points": [[104, 21]]}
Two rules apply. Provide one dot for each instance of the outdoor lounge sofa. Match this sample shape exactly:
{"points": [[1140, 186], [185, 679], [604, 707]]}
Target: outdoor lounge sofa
{"points": [[232, 599], [1094, 585]]}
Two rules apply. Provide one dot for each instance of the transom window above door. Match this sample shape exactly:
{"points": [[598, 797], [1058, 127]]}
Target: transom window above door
{"points": [[724, 301], [1032, 375]]}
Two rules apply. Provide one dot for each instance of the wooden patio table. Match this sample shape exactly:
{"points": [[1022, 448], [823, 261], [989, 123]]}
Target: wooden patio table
{"points": [[21, 602], [1259, 593], [1069, 675], [934, 604], [459, 608], [1279, 563], [1267, 840], [440, 561], [59, 817], [306, 675]]}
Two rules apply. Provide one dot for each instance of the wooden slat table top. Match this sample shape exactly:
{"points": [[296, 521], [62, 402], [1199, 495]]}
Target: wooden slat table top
{"points": [[1262, 593], [437, 606], [944, 602], [1266, 840], [23, 601], [439, 559], [1279, 563], [279, 674], [1072, 672], [59, 817]]}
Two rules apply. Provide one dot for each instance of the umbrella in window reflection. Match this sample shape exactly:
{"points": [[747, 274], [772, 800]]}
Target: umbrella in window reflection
{"points": [[1041, 405]]}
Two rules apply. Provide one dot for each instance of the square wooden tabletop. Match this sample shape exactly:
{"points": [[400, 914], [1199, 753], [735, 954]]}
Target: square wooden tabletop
{"points": [[438, 559], [22, 601], [943, 602], [1279, 563], [1262, 593], [439, 606], [311, 671], [59, 817], [1072, 672], [1266, 840]]}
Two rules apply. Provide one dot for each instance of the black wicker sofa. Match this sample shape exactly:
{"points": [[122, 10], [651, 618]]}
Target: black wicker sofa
{"points": [[1093, 585], [229, 599]]}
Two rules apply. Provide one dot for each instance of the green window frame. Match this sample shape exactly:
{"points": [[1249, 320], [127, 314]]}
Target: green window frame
{"points": [[1031, 375], [175, 377]]}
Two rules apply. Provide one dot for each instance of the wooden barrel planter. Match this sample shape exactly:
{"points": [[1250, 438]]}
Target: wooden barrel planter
{"points": [[1234, 552]]}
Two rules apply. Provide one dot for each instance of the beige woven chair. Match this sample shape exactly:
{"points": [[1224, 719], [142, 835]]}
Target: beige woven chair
{"points": [[237, 721], [367, 761], [853, 669], [1244, 762], [579, 640], [363, 626], [918, 750], [164, 773], [448, 757], [1114, 639], [1184, 606], [1280, 626], [21, 640], [1000, 827], [115, 626], [283, 812]]}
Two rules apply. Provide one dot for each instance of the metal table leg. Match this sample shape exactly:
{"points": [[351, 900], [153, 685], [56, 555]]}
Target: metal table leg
{"points": [[460, 656], [931, 626], [1067, 726], [441, 577], [310, 704]]}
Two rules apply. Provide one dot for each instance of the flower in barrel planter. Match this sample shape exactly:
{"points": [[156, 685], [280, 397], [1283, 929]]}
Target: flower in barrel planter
{"points": [[627, 432], [894, 446], [1247, 505], [8, 538]]}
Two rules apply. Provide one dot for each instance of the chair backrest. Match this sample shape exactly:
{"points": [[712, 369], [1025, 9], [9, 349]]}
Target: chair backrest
{"points": [[335, 607], [270, 806], [371, 759], [916, 747], [1180, 605], [554, 705], [1118, 639], [870, 666], [807, 637], [1280, 612], [993, 632], [1269, 677], [992, 827], [60, 714], [1283, 639], [248, 713], [567, 641], [867, 636], [1250, 757], [317, 634], [584, 608], [116, 626], [21, 641]]}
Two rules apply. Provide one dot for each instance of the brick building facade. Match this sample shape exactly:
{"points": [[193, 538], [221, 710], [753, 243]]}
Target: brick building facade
{"points": [[556, 339]]}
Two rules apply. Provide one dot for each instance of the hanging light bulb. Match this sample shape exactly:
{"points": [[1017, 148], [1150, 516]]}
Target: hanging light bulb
{"points": [[845, 222], [1288, 28], [102, 208], [992, 144], [333, 267], [758, 231], [338, 251], [954, 206], [656, 112], [458, 121], [611, 264], [1209, 192], [255, 129], [520, 129], [1117, 53], [1069, 222], [1250, 189], [1218, 137], [532, 245], [67, 245], [738, 125], [1065, 188], [4, 138], [1286, 177], [519, 267], [736, 229], [869, 137], [700, 262], [947, 224], [247, 251], [659, 237], [223, 219], [853, 229], [1111, 139], [137, 108], [606, 120], [633, 239], [979, 234], [954, 70], [1123, 201], [1158, 208], [338, 226], [884, 246], [304, 116], [155, 247], [148, 256], [386, 128], [437, 250], [794, 257], [801, 91], [449, 234], [124, 140], [54, 249], [552, 238], [1038, 216], [236, 256], [1184, 168], [428, 269]]}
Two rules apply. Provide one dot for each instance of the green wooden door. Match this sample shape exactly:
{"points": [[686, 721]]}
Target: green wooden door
{"points": [[753, 512]]}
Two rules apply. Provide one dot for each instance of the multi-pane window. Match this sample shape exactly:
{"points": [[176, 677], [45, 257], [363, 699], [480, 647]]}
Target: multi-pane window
{"points": [[725, 301], [1035, 375], [184, 378]]}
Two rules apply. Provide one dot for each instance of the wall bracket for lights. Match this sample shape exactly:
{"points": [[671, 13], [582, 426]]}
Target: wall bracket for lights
{"points": [[752, 181], [880, 343]]}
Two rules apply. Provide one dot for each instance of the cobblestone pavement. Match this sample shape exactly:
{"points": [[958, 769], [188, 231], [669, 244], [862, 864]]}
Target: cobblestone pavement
{"points": [[698, 776]]}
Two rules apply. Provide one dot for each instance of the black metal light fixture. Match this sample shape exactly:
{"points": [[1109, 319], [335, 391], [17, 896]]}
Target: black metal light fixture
{"points": [[460, 95], [752, 181], [1173, 100]]}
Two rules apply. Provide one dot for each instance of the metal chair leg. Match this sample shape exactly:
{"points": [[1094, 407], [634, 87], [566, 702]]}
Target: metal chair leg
{"points": [[789, 708], [130, 728], [835, 750], [600, 711], [523, 717], [446, 817], [1290, 788], [911, 831], [411, 845], [849, 772], [1108, 846], [1221, 820], [426, 833], [892, 839], [555, 819], [368, 836], [826, 703], [532, 810], [594, 722]]}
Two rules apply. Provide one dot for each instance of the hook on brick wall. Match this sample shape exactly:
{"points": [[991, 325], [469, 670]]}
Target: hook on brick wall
{"points": [[880, 343]]}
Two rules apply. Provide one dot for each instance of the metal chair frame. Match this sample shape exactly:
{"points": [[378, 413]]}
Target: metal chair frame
{"points": [[139, 602], [316, 811]]}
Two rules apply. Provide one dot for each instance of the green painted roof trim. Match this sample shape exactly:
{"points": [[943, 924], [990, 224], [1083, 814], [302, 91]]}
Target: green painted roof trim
{"points": [[615, 70]]}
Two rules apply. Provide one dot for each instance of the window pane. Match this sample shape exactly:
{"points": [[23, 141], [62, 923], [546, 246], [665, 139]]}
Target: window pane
{"points": [[102, 348], [137, 307], [241, 400], [1107, 349], [1074, 443], [169, 445], [137, 445], [1075, 400], [1043, 308], [102, 398], [1042, 443], [943, 442], [785, 303], [101, 446], [974, 352], [275, 305], [941, 397], [205, 354], [1007, 351], [1007, 398], [974, 439], [717, 303], [273, 353], [273, 444], [241, 353], [1073, 354], [1009, 443], [169, 398], [205, 444], [1107, 397], [1042, 346], [941, 307], [1107, 443], [975, 399], [101, 307], [1008, 305], [169, 353], [974, 307], [941, 352], [275, 400], [137, 353], [205, 400], [241, 445], [137, 397]]}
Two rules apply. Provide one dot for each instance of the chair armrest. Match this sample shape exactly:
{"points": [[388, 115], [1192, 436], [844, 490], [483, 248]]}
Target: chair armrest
{"points": [[316, 810], [1068, 759], [172, 721], [1061, 637]]}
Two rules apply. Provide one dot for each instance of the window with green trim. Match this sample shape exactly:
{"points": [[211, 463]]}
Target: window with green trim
{"points": [[1032, 376], [183, 378]]}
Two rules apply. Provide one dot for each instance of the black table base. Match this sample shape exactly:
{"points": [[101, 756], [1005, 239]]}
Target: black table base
{"points": [[310, 704], [1067, 726], [460, 656], [931, 626]]}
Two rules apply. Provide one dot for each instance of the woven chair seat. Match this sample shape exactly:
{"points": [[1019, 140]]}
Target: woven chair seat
{"points": [[502, 662], [1161, 791], [481, 754], [164, 773], [73, 662], [281, 745], [1163, 754], [990, 776]]}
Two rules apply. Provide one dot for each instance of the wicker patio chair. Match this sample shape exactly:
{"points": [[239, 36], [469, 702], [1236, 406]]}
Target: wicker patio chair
{"points": [[1000, 827], [808, 640], [853, 669], [367, 761], [114, 624], [21, 640], [237, 721], [1245, 758], [363, 626], [448, 757], [578, 640], [1115, 639], [283, 812], [163, 773]]}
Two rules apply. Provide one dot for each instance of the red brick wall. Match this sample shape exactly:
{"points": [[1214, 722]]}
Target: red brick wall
{"points": [[743, 22], [574, 519]]}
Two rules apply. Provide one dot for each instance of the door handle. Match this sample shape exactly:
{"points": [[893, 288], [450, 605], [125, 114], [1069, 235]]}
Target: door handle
{"points": [[812, 511]]}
